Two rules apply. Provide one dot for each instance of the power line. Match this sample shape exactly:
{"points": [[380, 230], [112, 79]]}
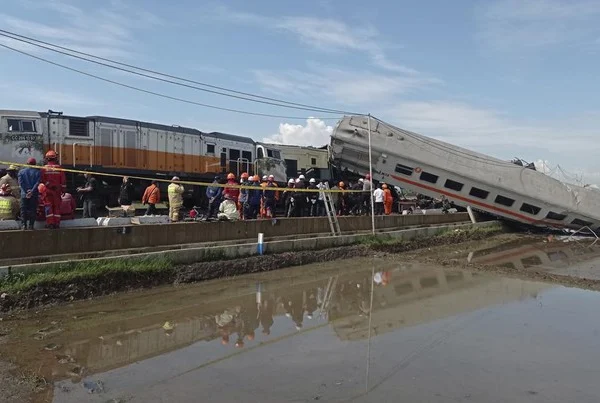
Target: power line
{"points": [[242, 95], [157, 93]]}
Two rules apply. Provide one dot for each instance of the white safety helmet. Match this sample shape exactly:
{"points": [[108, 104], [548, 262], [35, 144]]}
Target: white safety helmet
{"points": [[301, 177], [312, 180], [298, 180], [291, 180], [264, 177], [361, 180]]}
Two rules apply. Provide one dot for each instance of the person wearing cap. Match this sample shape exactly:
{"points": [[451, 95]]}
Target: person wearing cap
{"points": [[270, 197], [29, 179], [243, 197], [233, 192], [90, 194], [9, 206], [254, 199], [287, 197], [175, 192], [12, 180], [313, 197]]}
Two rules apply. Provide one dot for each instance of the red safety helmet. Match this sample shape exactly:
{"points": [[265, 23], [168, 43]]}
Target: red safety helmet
{"points": [[51, 155], [244, 175], [230, 176]]}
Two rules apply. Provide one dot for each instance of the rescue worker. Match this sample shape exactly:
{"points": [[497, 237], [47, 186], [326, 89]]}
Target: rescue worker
{"points": [[175, 192], [300, 198], [378, 196], [263, 185], [388, 199], [342, 200], [321, 199], [243, 197], [151, 197], [90, 196], [12, 180], [214, 194], [228, 209], [270, 197], [288, 196], [29, 179], [9, 206], [56, 183], [313, 197], [254, 199], [232, 192]]}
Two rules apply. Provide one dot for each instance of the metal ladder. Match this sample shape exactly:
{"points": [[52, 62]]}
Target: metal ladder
{"points": [[331, 284], [330, 210]]}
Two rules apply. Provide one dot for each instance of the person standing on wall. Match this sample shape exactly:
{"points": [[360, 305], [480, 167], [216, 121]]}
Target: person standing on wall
{"points": [[151, 197], [55, 181], [29, 179], [175, 192], [89, 194], [378, 195], [388, 199]]}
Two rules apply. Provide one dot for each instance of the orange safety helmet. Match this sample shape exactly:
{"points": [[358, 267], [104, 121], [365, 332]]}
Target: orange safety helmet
{"points": [[230, 176], [51, 155], [256, 178], [244, 175], [341, 184]]}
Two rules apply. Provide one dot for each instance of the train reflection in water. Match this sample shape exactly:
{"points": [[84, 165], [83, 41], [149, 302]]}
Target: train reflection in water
{"points": [[404, 295]]}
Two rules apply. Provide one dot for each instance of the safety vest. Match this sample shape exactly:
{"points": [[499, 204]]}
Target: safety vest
{"points": [[6, 208], [175, 195]]}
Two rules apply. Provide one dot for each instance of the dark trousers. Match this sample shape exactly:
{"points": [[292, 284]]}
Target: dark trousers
{"points": [[378, 208], [89, 208], [213, 207], [151, 210], [28, 211], [251, 211]]}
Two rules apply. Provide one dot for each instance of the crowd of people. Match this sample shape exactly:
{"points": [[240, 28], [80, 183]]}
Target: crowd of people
{"points": [[33, 193]]}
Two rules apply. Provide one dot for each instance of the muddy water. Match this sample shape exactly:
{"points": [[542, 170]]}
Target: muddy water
{"points": [[322, 333]]}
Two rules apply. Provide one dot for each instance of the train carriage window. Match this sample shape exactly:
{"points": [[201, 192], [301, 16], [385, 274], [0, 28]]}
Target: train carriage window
{"points": [[247, 155], [531, 209], [505, 201], [427, 177], [582, 223], [14, 125], [210, 149], [28, 126], [260, 153], [480, 193], [555, 216], [313, 161], [403, 169], [450, 184], [273, 153]]}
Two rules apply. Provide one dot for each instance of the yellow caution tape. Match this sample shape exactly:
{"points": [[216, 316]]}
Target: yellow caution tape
{"points": [[276, 189]]}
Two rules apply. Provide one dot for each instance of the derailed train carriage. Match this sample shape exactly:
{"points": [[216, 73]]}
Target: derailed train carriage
{"points": [[130, 147], [467, 178]]}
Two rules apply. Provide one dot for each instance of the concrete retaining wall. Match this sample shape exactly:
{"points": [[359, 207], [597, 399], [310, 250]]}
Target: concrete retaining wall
{"points": [[225, 252], [18, 244]]}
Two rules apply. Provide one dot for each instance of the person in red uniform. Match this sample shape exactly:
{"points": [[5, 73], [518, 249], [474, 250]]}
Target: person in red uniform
{"points": [[56, 184], [234, 193]]}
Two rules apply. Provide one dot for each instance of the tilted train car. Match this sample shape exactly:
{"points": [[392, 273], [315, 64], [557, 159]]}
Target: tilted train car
{"points": [[310, 161], [467, 178], [130, 147]]}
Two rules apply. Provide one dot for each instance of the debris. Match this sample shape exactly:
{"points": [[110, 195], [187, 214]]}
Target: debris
{"points": [[51, 347], [168, 326], [64, 359], [75, 371]]}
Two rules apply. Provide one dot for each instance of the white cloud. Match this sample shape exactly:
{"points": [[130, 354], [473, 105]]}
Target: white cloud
{"points": [[517, 24], [315, 133], [323, 34], [105, 31]]}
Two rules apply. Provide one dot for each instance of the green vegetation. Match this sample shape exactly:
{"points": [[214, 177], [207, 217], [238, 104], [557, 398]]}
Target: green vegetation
{"points": [[62, 273]]}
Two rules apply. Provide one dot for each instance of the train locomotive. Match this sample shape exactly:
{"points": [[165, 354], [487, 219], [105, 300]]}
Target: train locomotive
{"points": [[130, 147]]}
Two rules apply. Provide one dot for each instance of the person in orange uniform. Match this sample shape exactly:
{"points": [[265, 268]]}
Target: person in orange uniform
{"points": [[233, 193], [151, 197], [388, 199], [56, 183]]}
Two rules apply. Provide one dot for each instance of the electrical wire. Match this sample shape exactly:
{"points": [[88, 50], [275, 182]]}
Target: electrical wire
{"points": [[187, 101], [241, 95]]}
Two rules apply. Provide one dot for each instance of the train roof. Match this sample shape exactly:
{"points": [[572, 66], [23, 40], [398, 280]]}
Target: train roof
{"points": [[20, 113], [231, 137]]}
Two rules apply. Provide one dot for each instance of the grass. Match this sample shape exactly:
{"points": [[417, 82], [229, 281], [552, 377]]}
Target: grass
{"points": [[61, 273]]}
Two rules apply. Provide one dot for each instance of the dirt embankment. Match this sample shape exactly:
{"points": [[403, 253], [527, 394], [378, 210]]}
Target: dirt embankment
{"points": [[77, 286]]}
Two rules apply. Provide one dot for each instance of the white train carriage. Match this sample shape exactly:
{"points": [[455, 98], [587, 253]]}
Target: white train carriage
{"points": [[435, 168]]}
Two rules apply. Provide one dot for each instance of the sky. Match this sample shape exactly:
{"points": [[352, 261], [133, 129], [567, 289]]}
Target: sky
{"points": [[509, 78]]}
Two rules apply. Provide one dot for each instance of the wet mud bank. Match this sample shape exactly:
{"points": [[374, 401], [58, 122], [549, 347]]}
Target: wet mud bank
{"points": [[78, 281]]}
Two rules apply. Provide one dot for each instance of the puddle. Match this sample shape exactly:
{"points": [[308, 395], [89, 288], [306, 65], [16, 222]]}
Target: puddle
{"points": [[322, 333], [576, 258]]}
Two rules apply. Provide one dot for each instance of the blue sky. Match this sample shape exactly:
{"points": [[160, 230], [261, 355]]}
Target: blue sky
{"points": [[505, 77]]}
